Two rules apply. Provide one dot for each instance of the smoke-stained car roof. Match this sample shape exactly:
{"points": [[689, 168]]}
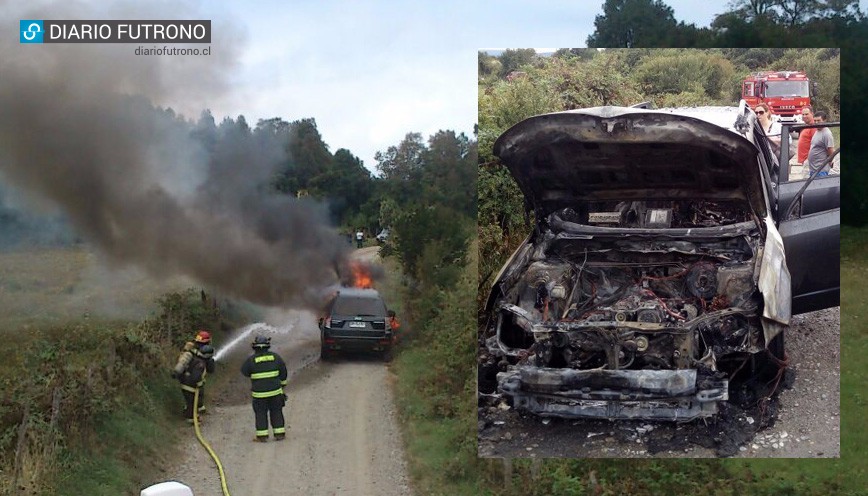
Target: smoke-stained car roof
{"points": [[607, 153]]}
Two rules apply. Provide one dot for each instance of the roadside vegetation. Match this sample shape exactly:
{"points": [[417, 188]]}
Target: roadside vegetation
{"points": [[88, 407], [430, 204]]}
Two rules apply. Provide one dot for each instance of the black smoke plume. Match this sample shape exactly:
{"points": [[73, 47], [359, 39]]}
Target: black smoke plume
{"points": [[87, 128]]}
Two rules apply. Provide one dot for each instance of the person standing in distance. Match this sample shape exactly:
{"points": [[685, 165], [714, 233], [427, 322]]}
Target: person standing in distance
{"points": [[267, 373], [770, 127], [822, 147], [806, 135]]}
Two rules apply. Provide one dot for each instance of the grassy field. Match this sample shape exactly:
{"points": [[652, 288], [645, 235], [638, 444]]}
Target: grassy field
{"points": [[854, 355], [97, 409], [54, 286]]}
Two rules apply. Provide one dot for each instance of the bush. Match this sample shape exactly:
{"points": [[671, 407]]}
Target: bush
{"points": [[78, 374], [431, 241], [686, 71]]}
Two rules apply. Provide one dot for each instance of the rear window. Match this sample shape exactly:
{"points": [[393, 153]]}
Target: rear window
{"points": [[353, 305]]}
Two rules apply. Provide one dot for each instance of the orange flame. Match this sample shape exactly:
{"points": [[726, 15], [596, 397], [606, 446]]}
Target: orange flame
{"points": [[361, 276]]}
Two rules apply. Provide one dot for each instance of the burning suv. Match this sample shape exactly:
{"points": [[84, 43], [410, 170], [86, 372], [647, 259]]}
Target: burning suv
{"points": [[654, 284], [355, 321]]}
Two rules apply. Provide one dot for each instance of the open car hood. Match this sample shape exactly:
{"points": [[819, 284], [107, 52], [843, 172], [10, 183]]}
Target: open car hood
{"points": [[617, 153]]}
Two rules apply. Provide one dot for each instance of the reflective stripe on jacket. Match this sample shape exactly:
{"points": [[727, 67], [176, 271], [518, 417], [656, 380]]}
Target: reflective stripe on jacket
{"points": [[267, 373]]}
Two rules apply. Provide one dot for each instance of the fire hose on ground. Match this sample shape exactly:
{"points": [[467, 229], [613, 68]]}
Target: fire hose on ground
{"points": [[204, 443]]}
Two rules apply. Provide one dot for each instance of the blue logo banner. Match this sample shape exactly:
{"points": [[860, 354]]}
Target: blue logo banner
{"points": [[31, 31]]}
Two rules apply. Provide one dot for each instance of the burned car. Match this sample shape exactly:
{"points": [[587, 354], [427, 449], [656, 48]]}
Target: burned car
{"points": [[655, 280], [355, 320]]}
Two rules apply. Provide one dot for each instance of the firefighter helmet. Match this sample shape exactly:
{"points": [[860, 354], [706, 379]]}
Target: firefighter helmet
{"points": [[261, 342], [203, 337]]}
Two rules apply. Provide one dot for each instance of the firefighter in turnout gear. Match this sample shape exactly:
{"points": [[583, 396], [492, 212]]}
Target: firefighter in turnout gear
{"points": [[267, 373], [194, 363]]}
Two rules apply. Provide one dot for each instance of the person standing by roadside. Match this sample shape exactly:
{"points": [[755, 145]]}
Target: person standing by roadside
{"points": [[360, 237], [267, 373], [806, 135], [822, 147], [771, 128], [394, 325], [194, 363]]}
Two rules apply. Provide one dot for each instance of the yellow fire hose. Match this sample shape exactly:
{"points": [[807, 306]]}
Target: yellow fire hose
{"points": [[205, 443]]}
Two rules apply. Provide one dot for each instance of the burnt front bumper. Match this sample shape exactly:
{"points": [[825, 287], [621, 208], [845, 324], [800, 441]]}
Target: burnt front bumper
{"points": [[681, 395]]}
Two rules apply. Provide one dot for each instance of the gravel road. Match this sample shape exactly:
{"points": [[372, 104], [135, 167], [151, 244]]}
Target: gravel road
{"points": [[806, 422], [342, 438]]}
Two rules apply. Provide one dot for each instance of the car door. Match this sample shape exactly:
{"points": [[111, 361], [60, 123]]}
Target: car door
{"points": [[813, 249]]}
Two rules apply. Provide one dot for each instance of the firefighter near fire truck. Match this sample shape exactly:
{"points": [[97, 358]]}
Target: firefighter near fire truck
{"points": [[194, 363], [785, 92], [267, 373]]}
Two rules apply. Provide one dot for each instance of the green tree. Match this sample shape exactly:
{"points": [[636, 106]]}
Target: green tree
{"points": [[847, 10], [754, 58], [205, 131], [431, 242], [755, 9], [346, 183], [401, 166], [389, 211], [513, 60], [489, 65], [308, 154], [449, 174], [629, 23]]}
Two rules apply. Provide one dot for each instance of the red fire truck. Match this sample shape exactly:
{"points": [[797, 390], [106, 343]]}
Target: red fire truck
{"points": [[786, 92]]}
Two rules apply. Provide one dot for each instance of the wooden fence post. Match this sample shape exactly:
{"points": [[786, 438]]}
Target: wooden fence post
{"points": [[21, 445], [507, 473]]}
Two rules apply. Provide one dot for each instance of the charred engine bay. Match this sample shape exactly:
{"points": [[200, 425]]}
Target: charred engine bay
{"points": [[657, 318], [630, 306]]}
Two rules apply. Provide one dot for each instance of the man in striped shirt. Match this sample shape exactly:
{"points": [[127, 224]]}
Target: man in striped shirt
{"points": [[267, 373]]}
